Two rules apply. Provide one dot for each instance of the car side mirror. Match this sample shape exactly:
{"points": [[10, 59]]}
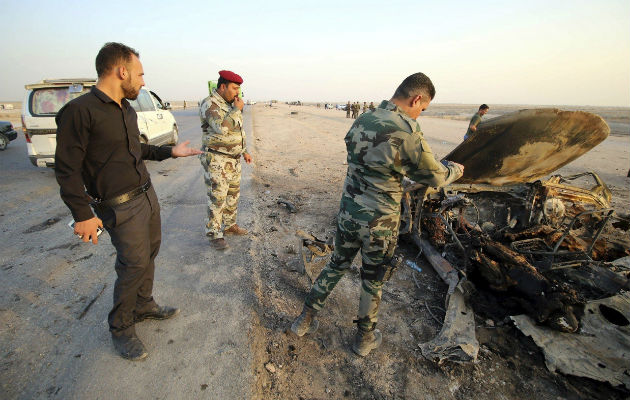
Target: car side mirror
{"points": [[167, 105]]}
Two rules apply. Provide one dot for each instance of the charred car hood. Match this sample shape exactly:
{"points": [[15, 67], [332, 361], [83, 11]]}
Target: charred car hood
{"points": [[527, 145]]}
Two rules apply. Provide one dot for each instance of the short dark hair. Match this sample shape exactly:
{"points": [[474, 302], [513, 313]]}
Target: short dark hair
{"points": [[111, 54], [222, 81], [484, 107], [413, 85]]}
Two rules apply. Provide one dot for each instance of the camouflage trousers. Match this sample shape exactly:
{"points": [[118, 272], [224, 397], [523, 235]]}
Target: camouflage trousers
{"points": [[222, 176], [377, 244]]}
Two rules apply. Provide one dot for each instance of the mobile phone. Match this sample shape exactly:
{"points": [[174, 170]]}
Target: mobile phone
{"points": [[99, 230]]}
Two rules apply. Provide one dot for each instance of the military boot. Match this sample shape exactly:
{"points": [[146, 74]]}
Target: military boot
{"points": [[305, 322], [235, 230], [366, 341], [219, 244]]}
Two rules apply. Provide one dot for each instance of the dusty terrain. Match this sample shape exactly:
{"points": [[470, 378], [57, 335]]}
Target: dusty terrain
{"points": [[230, 339], [301, 158]]}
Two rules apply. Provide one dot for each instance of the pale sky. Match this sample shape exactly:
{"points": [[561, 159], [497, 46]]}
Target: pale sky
{"points": [[495, 52]]}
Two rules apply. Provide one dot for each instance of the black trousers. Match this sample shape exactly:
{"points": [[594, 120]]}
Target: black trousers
{"points": [[135, 231]]}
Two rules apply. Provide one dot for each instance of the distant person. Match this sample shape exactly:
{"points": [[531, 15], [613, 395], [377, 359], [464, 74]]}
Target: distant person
{"points": [[372, 108], [184, 104], [475, 120], [365, 107], [355, 110], [383, 147], [223, 141], [348, 109], [99, 152]]}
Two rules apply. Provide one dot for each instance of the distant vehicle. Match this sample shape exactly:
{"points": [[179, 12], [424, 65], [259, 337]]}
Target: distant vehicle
{"points": [[44, 99], [341, 107], [7, 134]]}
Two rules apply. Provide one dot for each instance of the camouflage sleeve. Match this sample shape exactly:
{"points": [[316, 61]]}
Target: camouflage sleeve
{"points": [[244, 141], [214, 117], [419, 164], [236, 115]]}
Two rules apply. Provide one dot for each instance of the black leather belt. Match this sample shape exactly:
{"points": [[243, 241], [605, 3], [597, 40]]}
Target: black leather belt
{"points": [[123, 198]]}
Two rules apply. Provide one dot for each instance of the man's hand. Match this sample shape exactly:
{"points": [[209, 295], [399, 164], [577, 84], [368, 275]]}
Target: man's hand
{"points": [[473, 128], [247, 158], [182, 150], [87, 229], [238, 103], [461, 167]]}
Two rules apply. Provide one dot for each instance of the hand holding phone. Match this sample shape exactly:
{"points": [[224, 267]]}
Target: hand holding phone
{"points": [[87, 230]]}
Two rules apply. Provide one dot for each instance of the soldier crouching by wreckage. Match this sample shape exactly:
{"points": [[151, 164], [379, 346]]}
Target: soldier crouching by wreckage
{"points": [[383, 147]]}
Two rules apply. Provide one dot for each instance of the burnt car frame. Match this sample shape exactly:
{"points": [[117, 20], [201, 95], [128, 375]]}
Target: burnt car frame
{"points": [[504, 232]]}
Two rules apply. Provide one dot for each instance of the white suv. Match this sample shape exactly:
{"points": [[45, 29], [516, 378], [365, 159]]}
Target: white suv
{"points": [[44, 99]]}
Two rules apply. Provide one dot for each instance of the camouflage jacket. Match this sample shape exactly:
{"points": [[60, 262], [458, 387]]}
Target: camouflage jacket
{"points": [[383, 147], [222, 126]]}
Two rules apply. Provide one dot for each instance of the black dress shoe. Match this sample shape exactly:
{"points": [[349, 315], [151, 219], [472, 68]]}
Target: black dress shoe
{"points": [[157, 312], [130, 347]]}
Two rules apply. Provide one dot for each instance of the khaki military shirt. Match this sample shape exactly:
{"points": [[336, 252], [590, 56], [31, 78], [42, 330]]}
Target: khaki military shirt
{"points": [[383, 147], [474, 121], [222, 126]]}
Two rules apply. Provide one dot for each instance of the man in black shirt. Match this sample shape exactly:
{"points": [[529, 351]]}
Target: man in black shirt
{"points": [[99, 151]]}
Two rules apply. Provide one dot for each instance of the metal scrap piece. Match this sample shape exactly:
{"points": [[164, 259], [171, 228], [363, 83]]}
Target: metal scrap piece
{"points": [[456, 340], [601, 350], [290, 206], [313, 252], [527, 145]]}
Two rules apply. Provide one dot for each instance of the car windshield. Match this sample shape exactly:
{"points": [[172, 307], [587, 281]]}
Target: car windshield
{"points": [[134, 104], [50, 100]]}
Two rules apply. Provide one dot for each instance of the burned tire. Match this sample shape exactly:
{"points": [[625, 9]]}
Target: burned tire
{"points": [[4, 141]]}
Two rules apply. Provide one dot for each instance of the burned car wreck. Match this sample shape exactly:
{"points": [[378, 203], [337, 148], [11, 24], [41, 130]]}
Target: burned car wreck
{"points": [[510, 243]]}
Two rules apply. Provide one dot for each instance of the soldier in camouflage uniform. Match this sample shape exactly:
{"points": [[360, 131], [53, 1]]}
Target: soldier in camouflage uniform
{"points": [[348, 109], [383, 147], [355, 109], [372, 108], [223, 142], [475, 120], [365, 107]]}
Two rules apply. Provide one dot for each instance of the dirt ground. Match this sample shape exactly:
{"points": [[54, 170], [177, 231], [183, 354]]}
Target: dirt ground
{"points": [[230, 339], [300, 157]]}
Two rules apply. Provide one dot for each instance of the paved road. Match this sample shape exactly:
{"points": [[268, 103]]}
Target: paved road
{"points": [[53, 344]]}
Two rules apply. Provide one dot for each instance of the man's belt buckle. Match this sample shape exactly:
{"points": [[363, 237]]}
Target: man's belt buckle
{"points": [[123, 198]]}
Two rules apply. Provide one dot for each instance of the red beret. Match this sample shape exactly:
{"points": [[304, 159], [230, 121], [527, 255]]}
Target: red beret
{"points": [[230, 76]]}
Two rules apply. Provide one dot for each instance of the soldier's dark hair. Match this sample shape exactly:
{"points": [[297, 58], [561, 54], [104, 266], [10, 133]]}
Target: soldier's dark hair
{"points": [[414, 85], [111, 54], [223, 81], [484, 107]]}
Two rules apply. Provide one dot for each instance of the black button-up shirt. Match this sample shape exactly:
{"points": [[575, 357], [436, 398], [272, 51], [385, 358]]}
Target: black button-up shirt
{"points": [[99, 150]]}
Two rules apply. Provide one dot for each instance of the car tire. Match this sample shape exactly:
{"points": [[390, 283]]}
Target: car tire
{"points": [[4, 141], [175, 135]]}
